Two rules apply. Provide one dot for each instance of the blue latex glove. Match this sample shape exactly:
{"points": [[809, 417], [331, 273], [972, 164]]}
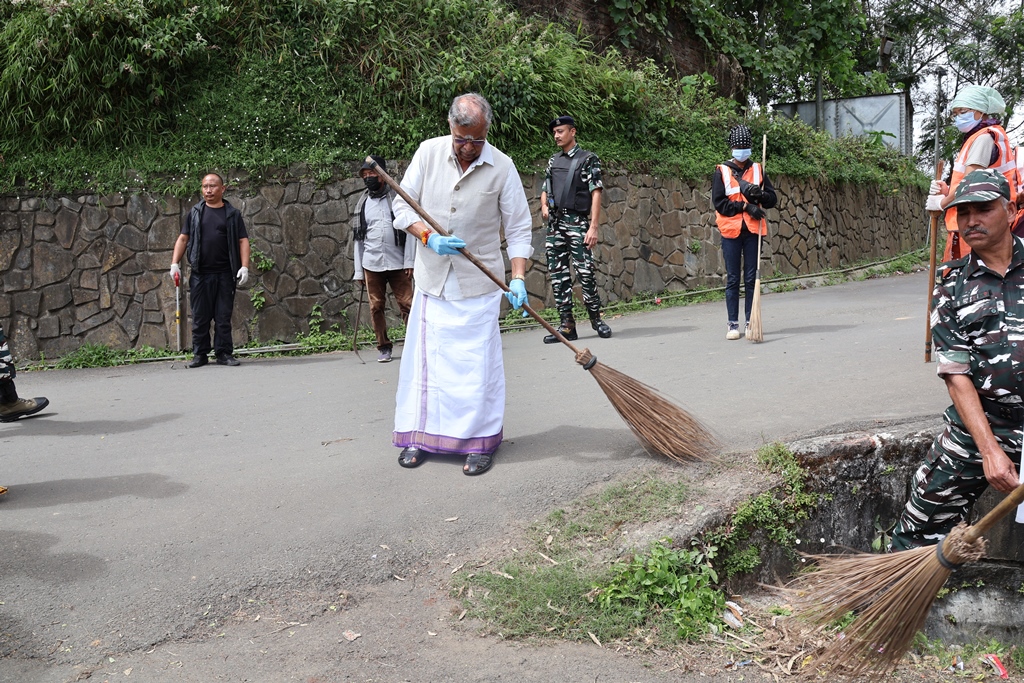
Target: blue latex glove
{"points": [[445, 246], [516, 294]]}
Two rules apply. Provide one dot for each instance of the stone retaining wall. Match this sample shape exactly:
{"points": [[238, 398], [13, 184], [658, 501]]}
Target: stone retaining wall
{"points": [[89, 268]]}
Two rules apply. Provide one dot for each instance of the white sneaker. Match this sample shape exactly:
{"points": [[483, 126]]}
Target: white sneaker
{"points": [[746, 330], [734, 331]]}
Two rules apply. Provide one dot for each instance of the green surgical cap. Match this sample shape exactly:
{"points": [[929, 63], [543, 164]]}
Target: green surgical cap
{"points": [[979, 98]]}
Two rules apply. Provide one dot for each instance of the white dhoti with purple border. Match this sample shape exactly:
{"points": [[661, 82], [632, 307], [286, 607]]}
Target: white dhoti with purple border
{"points": [[451, 384]]}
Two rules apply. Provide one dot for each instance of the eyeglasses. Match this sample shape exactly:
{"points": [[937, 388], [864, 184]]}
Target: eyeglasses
{"points": [[468, 141]]}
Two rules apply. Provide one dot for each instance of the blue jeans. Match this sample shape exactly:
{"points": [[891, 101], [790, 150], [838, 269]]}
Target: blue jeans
{"points": [[734, 249]]}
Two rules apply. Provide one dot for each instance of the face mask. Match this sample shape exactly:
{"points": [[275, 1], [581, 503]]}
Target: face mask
{"points": [[965, 122], [372, 183], [741, 154]]}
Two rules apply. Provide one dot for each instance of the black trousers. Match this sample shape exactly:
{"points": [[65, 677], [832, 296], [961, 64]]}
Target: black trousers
{"points": [[213, 298]]}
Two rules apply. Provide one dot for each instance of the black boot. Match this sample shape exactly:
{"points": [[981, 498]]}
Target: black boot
{"points": [[567, 328], [12, 407], [603, 331]]}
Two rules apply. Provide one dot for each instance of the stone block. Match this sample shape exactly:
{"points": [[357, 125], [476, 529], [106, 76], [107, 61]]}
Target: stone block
{"points": [[49, 327], [273, 194], [333, 211], [89, 311], [310, 287], [291, 193], [324, 247], [81, 295], [300, 306], [115, 199], [131, 321], [27, 303], [109, 333], [274, 324], [121, 303], [170, 206], [27, 204], [115, 255], [153, 317], [22, 339], [132, 238], [147, 281], [295, 223], [151, 302], [163, 233], [94, 218], [295, 268], [314, 265], [51, 264], [17, 280], [286, 286], [10, 240], [56, 296], [152, 335], [319, 197], [5, 308], [70, 204], [44, 233], [141, 210]]}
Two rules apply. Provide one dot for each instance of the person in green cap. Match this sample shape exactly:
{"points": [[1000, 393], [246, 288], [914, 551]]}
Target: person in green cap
{"points": [[976, 111], [977, 319]]}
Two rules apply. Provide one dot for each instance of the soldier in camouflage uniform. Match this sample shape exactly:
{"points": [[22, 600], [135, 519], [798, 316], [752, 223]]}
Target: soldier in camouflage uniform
{"points": [[571, 204], [978, 332], [12, 407]]}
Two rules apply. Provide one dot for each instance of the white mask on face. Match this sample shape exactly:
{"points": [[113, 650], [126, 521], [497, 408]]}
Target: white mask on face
{"points": [[741, 154], [965, 122]]}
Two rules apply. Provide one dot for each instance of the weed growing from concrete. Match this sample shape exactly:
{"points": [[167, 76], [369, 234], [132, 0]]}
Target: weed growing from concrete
{"points": [[770, 516]]}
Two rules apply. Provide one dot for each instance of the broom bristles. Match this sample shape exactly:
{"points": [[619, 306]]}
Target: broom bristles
{"points": [[890, 594], [755, 334], [661, 426]]}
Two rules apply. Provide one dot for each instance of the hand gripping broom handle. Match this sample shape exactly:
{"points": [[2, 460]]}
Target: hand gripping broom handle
{"points": [[469, 255], [1004, 508]]}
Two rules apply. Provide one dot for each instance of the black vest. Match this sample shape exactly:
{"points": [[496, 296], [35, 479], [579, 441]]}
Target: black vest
{"points": [[579, 193]]}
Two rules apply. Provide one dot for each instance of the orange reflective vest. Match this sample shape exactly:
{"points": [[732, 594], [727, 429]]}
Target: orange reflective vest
{"points": [[731, 226], [1005, 164]]}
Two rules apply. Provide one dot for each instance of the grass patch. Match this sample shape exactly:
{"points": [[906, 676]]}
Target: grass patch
{"points": [[583, 594], [101, 356]]}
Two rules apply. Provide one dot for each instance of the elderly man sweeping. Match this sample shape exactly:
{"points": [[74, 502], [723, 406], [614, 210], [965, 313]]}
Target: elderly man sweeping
{"points": [[451, 386], [977, 329]]}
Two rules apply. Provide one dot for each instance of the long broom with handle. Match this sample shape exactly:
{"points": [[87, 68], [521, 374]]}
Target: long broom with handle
{"points": [[661, 426], [933, 236], [890, 594], [754, 333]]}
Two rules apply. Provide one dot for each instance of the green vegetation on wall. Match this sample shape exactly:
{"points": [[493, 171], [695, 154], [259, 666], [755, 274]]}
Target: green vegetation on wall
{"points": [[112, 94]]}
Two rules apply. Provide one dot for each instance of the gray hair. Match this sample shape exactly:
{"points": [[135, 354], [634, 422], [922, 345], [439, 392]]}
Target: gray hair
{"points": [[466, 110]]}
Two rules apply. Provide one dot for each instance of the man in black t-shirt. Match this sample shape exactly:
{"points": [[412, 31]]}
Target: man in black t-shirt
{"points": [[217, 245]]}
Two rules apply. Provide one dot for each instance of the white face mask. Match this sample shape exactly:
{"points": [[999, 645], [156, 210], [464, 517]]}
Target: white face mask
{"points": [[965, 122], [741, 154]]}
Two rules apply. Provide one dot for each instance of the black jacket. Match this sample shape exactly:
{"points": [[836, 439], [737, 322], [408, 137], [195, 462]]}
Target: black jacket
{"points": [[729, 207], [195, 224]]}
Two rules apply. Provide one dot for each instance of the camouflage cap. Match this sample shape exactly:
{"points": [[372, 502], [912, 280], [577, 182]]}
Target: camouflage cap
{"points": [[982, 185]]}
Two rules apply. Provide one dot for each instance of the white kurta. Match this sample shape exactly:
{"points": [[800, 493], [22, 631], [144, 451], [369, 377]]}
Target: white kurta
{"points": [[451, 386]]}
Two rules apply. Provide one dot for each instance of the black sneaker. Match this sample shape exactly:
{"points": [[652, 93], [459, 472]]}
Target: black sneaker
{"points": [[227, 359], [197, 362]]}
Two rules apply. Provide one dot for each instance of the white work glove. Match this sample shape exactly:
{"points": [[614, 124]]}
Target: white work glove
{"points": [[242, 276], [935, 188], [176, 273], [934, 202]]}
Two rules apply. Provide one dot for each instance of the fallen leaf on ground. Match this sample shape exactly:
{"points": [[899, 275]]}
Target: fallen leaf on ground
{"points": [[452, 519], [431, 633], [398, 577], [128, 671], [502, 574], [350, 635], [594, 638]]}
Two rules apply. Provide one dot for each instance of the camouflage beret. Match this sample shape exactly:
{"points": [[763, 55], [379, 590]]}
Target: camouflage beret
{"points": [[982, 185]]}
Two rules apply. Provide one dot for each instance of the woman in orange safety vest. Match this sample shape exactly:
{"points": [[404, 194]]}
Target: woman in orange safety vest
{"points": [[976, 110], [740, 192]]}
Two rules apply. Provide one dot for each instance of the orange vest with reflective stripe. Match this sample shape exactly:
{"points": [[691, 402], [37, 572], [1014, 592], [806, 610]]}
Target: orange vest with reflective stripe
{"points": [[731, 226], [1005, 164]]}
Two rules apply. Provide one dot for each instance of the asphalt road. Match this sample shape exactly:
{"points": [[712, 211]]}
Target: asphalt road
{"points": [[155, 510]]}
